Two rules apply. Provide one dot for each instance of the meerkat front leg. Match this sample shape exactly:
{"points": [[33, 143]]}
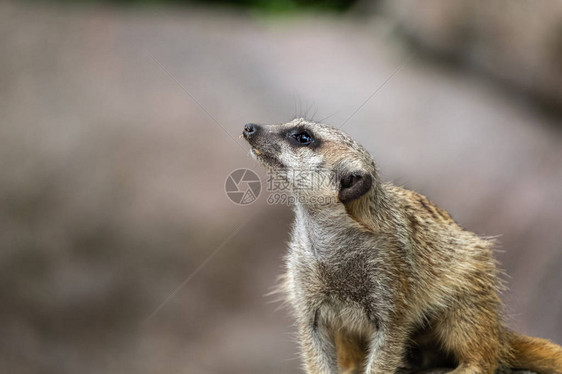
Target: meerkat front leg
{"points": [[387, 349], [317, 345]]}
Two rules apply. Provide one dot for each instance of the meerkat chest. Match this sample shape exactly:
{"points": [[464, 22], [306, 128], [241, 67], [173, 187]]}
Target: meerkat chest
{"points": [[328, 268], [334, 288]]}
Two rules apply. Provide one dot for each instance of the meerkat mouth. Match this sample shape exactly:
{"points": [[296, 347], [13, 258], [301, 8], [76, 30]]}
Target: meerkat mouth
{"points": [[266, 159]]}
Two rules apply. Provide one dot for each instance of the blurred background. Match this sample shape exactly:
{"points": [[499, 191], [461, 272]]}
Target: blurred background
{"points": [[119, 123]]}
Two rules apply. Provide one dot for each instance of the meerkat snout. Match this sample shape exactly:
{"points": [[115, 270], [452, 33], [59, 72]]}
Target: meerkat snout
{"points": [[249, 130]]}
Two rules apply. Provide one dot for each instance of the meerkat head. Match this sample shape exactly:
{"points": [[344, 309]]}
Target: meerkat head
{"points": [[301, 150]]}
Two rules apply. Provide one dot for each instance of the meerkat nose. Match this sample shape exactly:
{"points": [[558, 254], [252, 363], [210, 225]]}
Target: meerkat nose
{"points": [[249, 130]]}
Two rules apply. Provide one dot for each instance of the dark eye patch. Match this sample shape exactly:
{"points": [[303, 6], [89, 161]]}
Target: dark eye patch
{"points": [[302, 137]]}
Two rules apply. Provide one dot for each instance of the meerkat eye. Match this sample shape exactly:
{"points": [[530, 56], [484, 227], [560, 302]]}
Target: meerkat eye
{"points": [[303, 137]]}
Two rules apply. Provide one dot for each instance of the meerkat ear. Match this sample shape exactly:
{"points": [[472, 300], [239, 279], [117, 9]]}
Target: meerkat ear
{"points": [[354, 185]]}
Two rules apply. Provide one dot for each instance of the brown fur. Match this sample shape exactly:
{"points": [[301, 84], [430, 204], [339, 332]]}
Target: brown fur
{"points": [[535, 354], [376, 278], [351, 351]]}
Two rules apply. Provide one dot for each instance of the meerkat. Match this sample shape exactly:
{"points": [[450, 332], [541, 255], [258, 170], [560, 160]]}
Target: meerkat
{"points": [[375, 272]]}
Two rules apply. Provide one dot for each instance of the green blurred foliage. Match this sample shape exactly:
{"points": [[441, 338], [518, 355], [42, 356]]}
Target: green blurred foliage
{"points": [[283, 6], [267, 6]]}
